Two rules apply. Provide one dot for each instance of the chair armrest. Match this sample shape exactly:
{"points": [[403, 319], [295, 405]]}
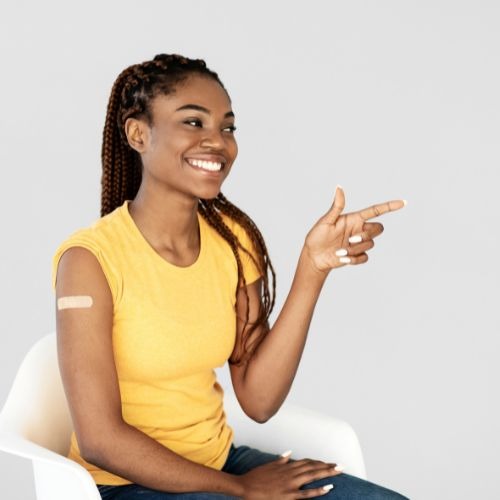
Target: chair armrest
{"points": [[56, 477], [308, 433]]}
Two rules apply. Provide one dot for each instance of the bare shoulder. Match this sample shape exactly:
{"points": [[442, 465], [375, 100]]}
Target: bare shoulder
{"points": [[79, 267]]}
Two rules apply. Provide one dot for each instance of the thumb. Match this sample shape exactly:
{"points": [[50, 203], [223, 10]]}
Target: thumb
{"points": [[338, 205]]}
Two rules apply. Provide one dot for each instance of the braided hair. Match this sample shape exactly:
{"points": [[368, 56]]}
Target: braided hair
{"points": [[131, 96]]}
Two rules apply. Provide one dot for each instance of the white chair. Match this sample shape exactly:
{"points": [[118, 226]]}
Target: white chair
{"points": [[35, 423]]}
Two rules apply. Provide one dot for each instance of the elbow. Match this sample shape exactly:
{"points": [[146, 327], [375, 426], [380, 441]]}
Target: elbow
{"points": [[257, 407], [261, 416], [93, 453], [260, 419], [256, 415], [96, 448]]}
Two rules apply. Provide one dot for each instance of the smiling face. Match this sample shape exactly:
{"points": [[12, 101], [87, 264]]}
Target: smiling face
{"points": [[191, 136]]}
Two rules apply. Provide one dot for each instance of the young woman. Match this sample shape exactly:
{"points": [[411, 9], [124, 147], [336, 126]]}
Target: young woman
{"points": [[172, 281]]}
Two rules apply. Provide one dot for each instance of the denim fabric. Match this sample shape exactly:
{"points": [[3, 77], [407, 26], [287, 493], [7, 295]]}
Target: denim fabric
{"points": [[241, 459]]}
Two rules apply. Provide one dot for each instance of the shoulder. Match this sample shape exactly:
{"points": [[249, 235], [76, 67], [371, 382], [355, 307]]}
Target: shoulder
{"points": [[78, 268], [96, 235], [88, 250], [251, 258], [230, 222], [237, 229]]}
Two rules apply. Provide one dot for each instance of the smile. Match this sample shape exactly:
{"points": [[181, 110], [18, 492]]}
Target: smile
{"points": [[211, 166]]}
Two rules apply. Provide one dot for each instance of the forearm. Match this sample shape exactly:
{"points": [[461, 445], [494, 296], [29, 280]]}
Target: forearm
{"points": [[133, 455], [272, 368]]}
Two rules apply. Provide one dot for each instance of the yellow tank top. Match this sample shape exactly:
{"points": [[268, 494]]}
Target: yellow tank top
{"points": [[171, 327]]}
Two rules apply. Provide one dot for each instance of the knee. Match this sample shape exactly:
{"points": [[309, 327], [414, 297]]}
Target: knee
{"points": [[355, 487]]}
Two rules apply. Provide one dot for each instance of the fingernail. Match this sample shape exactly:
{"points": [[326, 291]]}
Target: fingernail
{"points": [[339, 186], [339, 467], [328, 487], [345, 260], [286, 453], [355, 239], [405, 202], [341, 252]]}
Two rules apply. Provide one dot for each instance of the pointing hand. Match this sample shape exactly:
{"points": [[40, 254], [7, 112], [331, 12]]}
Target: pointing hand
{"points": [[338, 239]]}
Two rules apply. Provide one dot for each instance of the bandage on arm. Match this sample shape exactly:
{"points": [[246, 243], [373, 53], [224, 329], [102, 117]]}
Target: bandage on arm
{"points": [[74, 302]]}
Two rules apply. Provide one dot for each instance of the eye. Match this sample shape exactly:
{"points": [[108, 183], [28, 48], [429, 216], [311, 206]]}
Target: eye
{"points": [[197, 123], [193, 120]]}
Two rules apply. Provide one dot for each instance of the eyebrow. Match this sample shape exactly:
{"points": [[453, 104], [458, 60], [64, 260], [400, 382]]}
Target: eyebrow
{"points": [[197, 107]]}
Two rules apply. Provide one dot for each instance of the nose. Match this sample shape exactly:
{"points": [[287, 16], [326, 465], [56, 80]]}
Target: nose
{"points": [[213, 138]]}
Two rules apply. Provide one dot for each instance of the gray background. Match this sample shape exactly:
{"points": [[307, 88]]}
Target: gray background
{"points": [[390, 99]]}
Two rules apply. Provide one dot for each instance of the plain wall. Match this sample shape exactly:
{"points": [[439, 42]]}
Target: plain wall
{"points": [[390, 99]]}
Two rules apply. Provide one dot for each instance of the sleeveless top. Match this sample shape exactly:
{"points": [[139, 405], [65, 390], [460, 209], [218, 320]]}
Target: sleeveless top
{"points": [[171, 327]]}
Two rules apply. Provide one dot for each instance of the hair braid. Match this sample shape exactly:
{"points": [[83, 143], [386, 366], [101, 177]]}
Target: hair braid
{"points": [[117, 157], [131, 96]]}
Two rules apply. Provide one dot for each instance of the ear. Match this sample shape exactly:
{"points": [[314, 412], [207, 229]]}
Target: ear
{"points": [[137, 134]]}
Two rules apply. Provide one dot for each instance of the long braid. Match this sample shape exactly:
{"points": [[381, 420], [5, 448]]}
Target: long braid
{"points": [[121, 163], [226, 207], [131, 96], [209, 212]]}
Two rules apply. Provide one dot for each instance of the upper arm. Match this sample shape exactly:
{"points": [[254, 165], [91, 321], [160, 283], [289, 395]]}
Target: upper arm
{"points": [[254, 304], [84, 344]]}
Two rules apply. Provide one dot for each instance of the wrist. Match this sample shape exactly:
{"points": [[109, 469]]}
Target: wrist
{"points": [[236, 485], [307, 266]]}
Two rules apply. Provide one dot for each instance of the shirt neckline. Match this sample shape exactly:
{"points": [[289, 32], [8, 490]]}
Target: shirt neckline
{"points": [[154, 254]]}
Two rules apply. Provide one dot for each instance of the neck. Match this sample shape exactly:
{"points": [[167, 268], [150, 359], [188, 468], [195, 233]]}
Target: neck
{"points": [[167, 221]]}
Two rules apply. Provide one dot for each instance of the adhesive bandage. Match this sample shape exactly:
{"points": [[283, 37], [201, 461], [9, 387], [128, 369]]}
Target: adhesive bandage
{"points": [[74, 302]]}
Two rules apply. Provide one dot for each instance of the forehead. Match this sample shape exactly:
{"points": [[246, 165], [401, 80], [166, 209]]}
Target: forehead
{"points": [[199, 90]]}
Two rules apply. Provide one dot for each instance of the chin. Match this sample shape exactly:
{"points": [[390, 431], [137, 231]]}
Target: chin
{"points": [[209, 196]]}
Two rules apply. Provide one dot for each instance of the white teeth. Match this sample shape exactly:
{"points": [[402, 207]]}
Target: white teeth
{"points": [[207, 165]]}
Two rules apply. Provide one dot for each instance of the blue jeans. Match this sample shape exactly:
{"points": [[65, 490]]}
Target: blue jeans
{"points": [[241, 459]]}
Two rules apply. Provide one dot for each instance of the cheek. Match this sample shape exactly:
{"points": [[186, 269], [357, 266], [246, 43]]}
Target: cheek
{"points": [[234, 149], [169, 140], [167, 147]]}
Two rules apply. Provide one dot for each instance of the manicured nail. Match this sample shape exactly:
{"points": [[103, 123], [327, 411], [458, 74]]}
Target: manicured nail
{"points": [[405, 202], [341, 252], [286, 453], [339, 467], [345, 260], [355, 239], [339, 186], [328, 487]]}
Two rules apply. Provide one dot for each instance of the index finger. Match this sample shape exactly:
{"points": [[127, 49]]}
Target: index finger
{"points": [[381, 208]]}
